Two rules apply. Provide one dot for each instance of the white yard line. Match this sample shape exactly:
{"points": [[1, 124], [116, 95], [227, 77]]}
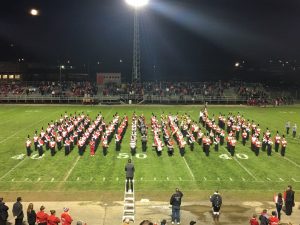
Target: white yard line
{"points": [[241, 165], [25, 128], [70, 171], [291, 161], [12, 169], [189, 169]]}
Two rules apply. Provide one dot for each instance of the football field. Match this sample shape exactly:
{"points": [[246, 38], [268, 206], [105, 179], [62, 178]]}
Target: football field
{"points": [[193, 172]]}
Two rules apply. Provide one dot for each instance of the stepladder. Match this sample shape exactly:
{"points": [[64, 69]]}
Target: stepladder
{"points": [[129, 202]]}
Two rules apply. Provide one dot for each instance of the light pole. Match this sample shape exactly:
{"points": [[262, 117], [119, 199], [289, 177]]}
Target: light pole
{"points": [[60, 68], [136, 67]]}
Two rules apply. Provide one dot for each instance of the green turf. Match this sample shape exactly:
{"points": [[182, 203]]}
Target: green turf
{"points": [[152, 173]]}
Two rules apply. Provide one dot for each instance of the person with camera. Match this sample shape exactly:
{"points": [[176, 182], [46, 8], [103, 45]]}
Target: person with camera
{"points": [[175, 201], [216, 201]]}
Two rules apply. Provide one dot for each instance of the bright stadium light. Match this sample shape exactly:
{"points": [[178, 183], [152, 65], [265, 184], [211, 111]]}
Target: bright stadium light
{"points": [[137, 3], [136, 67], [34, 12]]}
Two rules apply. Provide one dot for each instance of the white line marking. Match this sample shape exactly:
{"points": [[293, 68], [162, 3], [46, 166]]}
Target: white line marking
{"points": [[291, 161], [78, 178], [230, 179], [117, 179], [12, 169], [243, 179], [13, 179], [154, 178], [268, 179], [162, 180], [251, 174], [168, 178], [205, 179], [103, 178], [180, 178], [281, 179], [38, 179], [70, 171], [218, 178], [142, 178], [52, 179], [25, 128], [27, 179], [189, 169], [294, 180]]}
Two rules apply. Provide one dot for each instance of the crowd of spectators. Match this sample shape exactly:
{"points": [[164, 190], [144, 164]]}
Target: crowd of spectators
{"points": [[32, 216], [11, 88], [48, 88], [252, 93], [165, 89]]}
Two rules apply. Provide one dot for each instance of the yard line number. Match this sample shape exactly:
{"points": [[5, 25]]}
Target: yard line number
{"points": [[124, 155], [238, 155]]}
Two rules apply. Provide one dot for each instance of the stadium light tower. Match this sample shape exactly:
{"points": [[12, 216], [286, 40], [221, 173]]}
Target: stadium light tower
{"points": [[136, 67]]}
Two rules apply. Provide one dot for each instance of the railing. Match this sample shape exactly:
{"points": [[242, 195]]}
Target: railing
{"points": [[145, 99]]}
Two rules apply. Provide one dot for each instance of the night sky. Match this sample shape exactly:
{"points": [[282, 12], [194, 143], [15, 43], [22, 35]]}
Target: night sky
{"points": [[194, 39]]}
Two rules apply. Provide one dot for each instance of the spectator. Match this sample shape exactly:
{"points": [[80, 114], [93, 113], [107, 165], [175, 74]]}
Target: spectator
{"points": [[163, 222], [66, 219], [264, 218], [175, 201], [126, 221], [18, 211], [31, 215], [273, 220], [3, 212], [53, 219], [216, 201], [253, 220], [146, 222], [41, 216], [289, 199], [279, 204]]}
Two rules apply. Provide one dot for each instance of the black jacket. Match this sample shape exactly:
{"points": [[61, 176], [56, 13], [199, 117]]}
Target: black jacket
{"points": [[3, 211], [31, 217], [18, 210], [176, 199]]}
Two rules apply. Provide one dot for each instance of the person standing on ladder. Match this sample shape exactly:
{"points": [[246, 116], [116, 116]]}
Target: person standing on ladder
{"points": [[129, 169]]}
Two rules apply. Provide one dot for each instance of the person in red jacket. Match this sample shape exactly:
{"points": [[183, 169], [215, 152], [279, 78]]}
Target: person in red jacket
{"points": [[52, 219], [253, 220], [41, 216], [273, 220], [66, 219]]}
